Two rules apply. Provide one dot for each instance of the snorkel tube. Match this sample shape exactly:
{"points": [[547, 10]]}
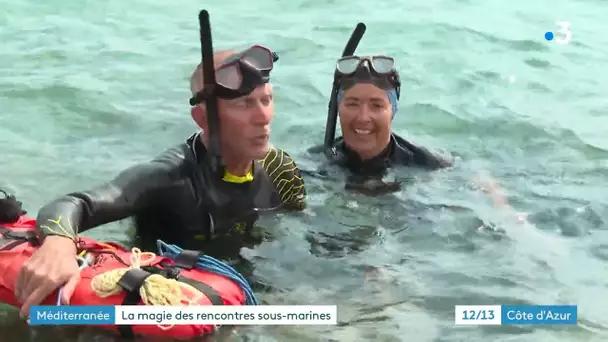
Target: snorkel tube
{"points": [[332, 114], [209, 90]]}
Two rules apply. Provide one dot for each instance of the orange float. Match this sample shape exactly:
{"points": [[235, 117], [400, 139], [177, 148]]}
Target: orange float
{"points": [[18, 241]]}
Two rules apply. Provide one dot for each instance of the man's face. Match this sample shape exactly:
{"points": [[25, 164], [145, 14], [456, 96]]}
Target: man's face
{"points": [[245, 123]]}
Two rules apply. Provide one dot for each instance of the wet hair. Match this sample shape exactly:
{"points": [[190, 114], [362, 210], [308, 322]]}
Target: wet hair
{"points": [[10, 208], [196, 79]]}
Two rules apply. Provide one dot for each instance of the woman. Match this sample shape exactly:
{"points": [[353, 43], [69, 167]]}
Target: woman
{"points": [[368, 99]]}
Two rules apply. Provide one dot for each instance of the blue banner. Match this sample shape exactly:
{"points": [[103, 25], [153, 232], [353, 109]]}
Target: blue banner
{"points": [[185, 315], [538, 314], [72, 315], [107, 315]]}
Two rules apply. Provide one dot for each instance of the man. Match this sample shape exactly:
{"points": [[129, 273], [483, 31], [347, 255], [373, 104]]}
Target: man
{"points": [[178, 197]]}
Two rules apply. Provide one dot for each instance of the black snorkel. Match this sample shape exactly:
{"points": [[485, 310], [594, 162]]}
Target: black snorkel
{"points": [[332, 113], [209, 94]]}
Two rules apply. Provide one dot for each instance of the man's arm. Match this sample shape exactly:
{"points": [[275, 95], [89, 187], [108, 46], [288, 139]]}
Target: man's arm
{"points": [[118, 199], [286, 177], [59, 222]]}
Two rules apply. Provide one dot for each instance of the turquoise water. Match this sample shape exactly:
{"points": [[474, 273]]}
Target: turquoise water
{"points": [[89, 88]]}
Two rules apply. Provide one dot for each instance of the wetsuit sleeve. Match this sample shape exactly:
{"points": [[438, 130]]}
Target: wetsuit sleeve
{"points": [[287, 179], [431, 160], [120, 198], [425, 158]]}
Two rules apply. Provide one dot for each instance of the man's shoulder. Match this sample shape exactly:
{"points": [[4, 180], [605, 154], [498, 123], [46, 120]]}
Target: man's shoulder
{"points": [[277, 158], [166, 165], [286, 177], [279, 163], [176, 154]]}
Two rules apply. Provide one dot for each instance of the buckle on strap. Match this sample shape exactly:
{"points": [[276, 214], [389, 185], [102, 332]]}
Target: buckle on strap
{"points": [[187, 259], [131, 281], [28, 236]]}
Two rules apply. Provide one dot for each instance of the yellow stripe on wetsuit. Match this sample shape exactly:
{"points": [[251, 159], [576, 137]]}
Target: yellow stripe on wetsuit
{"points": [[62, 231], [285, 176], [230, 178], [283, 173]]}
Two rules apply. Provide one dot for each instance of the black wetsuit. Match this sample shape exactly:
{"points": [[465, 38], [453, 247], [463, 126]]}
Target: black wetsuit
{"points": [[398, 152], [177, 199]]}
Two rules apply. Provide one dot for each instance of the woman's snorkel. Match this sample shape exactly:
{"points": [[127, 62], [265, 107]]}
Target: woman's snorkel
{"points": [[332, 113]]}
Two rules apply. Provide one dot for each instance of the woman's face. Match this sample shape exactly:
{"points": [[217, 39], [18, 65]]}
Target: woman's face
{"points": [[365, 119]]}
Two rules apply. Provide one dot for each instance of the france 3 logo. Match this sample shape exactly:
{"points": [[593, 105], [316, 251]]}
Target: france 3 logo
{"points": [[562, 36]]}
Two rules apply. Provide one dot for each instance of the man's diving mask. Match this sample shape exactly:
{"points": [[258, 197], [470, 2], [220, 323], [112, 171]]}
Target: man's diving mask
{"points": [[241, 73]]}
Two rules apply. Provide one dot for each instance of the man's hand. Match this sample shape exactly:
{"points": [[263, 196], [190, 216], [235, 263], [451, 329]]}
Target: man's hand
{"points": [[50, 267]]}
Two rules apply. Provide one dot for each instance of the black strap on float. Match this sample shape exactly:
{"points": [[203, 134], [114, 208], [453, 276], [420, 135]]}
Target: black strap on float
{"points": [[207, 290], [20, 237], [131, 282], [186, 260], [134, 278]]}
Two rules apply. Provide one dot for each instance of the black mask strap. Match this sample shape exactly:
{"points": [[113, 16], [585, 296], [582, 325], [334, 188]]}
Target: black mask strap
{"points": [[10, 208]]}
